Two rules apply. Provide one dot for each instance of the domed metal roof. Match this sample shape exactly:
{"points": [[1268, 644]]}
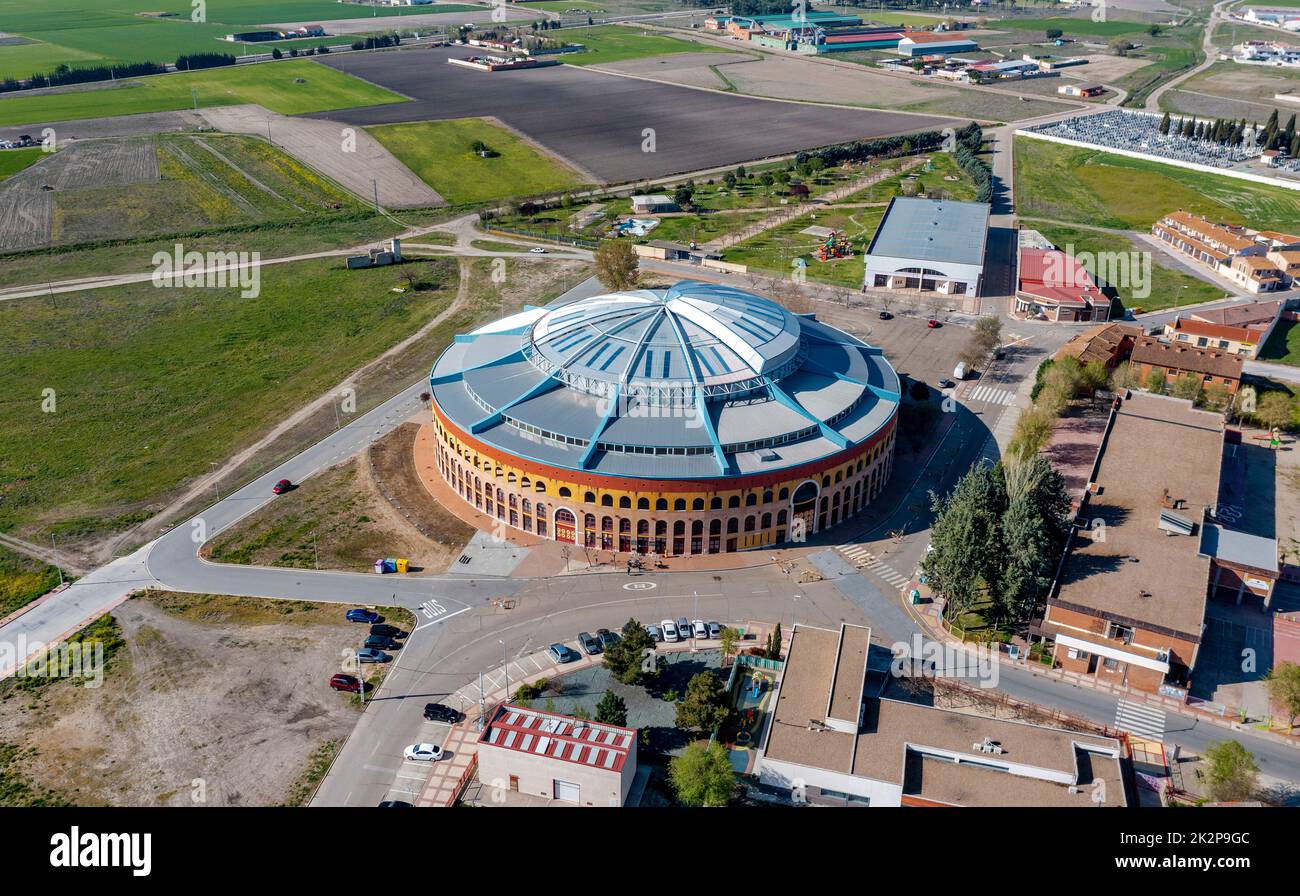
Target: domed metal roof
{"points": [[662, 345]]}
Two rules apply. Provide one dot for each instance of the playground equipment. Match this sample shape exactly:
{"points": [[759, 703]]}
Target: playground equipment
{"points": [[756, 684], [834, 246]]}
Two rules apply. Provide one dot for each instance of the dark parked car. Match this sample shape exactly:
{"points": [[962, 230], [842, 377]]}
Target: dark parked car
{"points": [[395, 804], [360, 615], [607, 638], [389, 631], [370, 655], [885, 315], [589, 644], [281, 487], [381, 642], [349, 683], [437, 712]]}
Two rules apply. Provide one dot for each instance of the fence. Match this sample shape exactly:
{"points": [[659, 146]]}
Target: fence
{"points": [[576, 241], [465, 777]]}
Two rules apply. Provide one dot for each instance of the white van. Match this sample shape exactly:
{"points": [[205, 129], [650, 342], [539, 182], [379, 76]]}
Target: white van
{"points": [[959, 372]]}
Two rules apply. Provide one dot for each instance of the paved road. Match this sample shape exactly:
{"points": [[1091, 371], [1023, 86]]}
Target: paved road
{"points": [[1273, 371], [1207, 47]]}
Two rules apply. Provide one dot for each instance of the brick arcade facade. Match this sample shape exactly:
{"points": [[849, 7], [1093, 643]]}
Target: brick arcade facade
{"points": [[664, 517]]}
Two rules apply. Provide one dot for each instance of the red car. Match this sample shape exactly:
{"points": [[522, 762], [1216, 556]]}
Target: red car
{"points": [[349, 683], [281, 487], [932, 323]]}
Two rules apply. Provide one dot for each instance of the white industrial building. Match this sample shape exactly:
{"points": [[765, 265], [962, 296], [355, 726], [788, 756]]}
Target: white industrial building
{"points": [[930, 245], [557, 757]]}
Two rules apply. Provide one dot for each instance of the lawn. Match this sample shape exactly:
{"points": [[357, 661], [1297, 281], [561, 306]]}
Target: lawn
{"points": [[150, 385], [14, 160], [439, 152], [1075, 184], [1283, 346], [1071, 26], [614, 43], [777, 249], [291, 87], [1169, 287]]}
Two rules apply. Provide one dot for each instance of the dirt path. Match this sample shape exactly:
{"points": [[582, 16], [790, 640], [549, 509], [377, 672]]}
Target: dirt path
{"points": [[1207, 47], [104, 551]]}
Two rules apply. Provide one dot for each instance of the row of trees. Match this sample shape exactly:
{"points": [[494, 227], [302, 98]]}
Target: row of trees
{"points": [[1056, 384], [65, 74], [998, 536], [862, 150], [969, 140], [1225, 132]]}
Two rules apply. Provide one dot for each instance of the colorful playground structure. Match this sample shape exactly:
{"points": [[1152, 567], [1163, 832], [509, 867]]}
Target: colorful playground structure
{"points": [[836, 245], [752, 691]]}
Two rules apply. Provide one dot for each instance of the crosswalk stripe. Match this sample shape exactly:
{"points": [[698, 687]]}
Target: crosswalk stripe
{"points": [[1139, 719]]}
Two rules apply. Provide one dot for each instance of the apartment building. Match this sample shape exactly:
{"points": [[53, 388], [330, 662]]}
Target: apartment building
{"points": [[1176, 359], [1241, 330], [1254, 260]]}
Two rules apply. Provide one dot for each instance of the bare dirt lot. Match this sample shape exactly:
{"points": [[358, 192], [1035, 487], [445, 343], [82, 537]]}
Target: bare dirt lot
{"points": [[370, 507], [219, 698], [688, 69], [349, 156], [599, 121]]}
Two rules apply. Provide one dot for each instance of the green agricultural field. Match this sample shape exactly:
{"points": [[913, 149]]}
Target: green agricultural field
{"points": [[440, 153], [1071, 26], [152, 384], [205, 181], [1075, 184], [293, 87], [614, 43], [1169, 287], [75, 31], [14, 160]]}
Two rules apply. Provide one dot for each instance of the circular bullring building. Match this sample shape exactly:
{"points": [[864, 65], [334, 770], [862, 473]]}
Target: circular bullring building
{"points": [[697, 419]]}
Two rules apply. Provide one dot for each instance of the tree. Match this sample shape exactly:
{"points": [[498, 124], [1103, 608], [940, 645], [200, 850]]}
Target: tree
{"points": [[1120, 46], [706, 705], [967, 537], [730, 637], [1187, 386], [1216, 396], [1095, 376], [702, 775], [1033, 430], [1275, 410], [1054, 33], [611, 710], [683, 195], [616, 265], [1155, 381], [625, 660], [1034, 529], [1283, 683], [1164, 124], [730, 180], [1125, 376], [774, 643], [1232, 774]]}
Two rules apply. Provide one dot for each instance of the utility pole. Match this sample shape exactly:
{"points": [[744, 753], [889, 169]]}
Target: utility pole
{"points": [[506, 667], [375, 182], [215, 487], [315, 548], [361, 679], [55, 558]]}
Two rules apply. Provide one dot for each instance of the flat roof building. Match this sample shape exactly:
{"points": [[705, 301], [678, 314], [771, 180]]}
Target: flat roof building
{"points": [[1129, 602], [929, 245], [557, 757], [829, 743]]}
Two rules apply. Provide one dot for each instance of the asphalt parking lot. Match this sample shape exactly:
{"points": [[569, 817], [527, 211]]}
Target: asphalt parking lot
{"points": [[599, 121]]}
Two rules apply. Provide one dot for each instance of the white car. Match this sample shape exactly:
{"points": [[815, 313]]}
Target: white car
{"points": [[701, 630], [423, 752], [537, 250], [669, 629]]}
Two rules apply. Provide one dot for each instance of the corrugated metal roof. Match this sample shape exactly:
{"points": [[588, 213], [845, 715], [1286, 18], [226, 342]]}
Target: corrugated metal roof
{"points": [[559, 737], [932, 230]]}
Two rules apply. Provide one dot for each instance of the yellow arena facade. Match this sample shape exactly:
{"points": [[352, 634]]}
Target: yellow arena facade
{"points": [[697, 419]]}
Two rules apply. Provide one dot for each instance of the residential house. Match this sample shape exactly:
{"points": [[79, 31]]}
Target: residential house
{"points": [[1212, 365]]}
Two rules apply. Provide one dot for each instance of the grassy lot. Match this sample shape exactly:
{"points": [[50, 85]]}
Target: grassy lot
{"points": [[1087, 186], [778, 248], [24, 60], [14, 160], [153, 384], [614, 43], [291, 87], [1072, 26], [206, 181], [22, 580], [1283, 346], [439, 152], [1169, 287]]}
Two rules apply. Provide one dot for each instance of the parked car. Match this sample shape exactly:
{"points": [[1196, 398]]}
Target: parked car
{"points": [[670, 631], [959, 372], [537, 250], [395, 804], [370, 655], [655, 632], [715, 630], [423, 752], [360, 615], [606, 637], [699, 629], [932, 324], [391, 631], [684, 628], [438, 712], [561, 653], [382, 642], [350, 683], [945, 383], [281, 487], [589, 645]]}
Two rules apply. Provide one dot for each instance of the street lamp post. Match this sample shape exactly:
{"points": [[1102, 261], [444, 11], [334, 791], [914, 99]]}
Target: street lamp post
{"points": [[505, 666]]}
